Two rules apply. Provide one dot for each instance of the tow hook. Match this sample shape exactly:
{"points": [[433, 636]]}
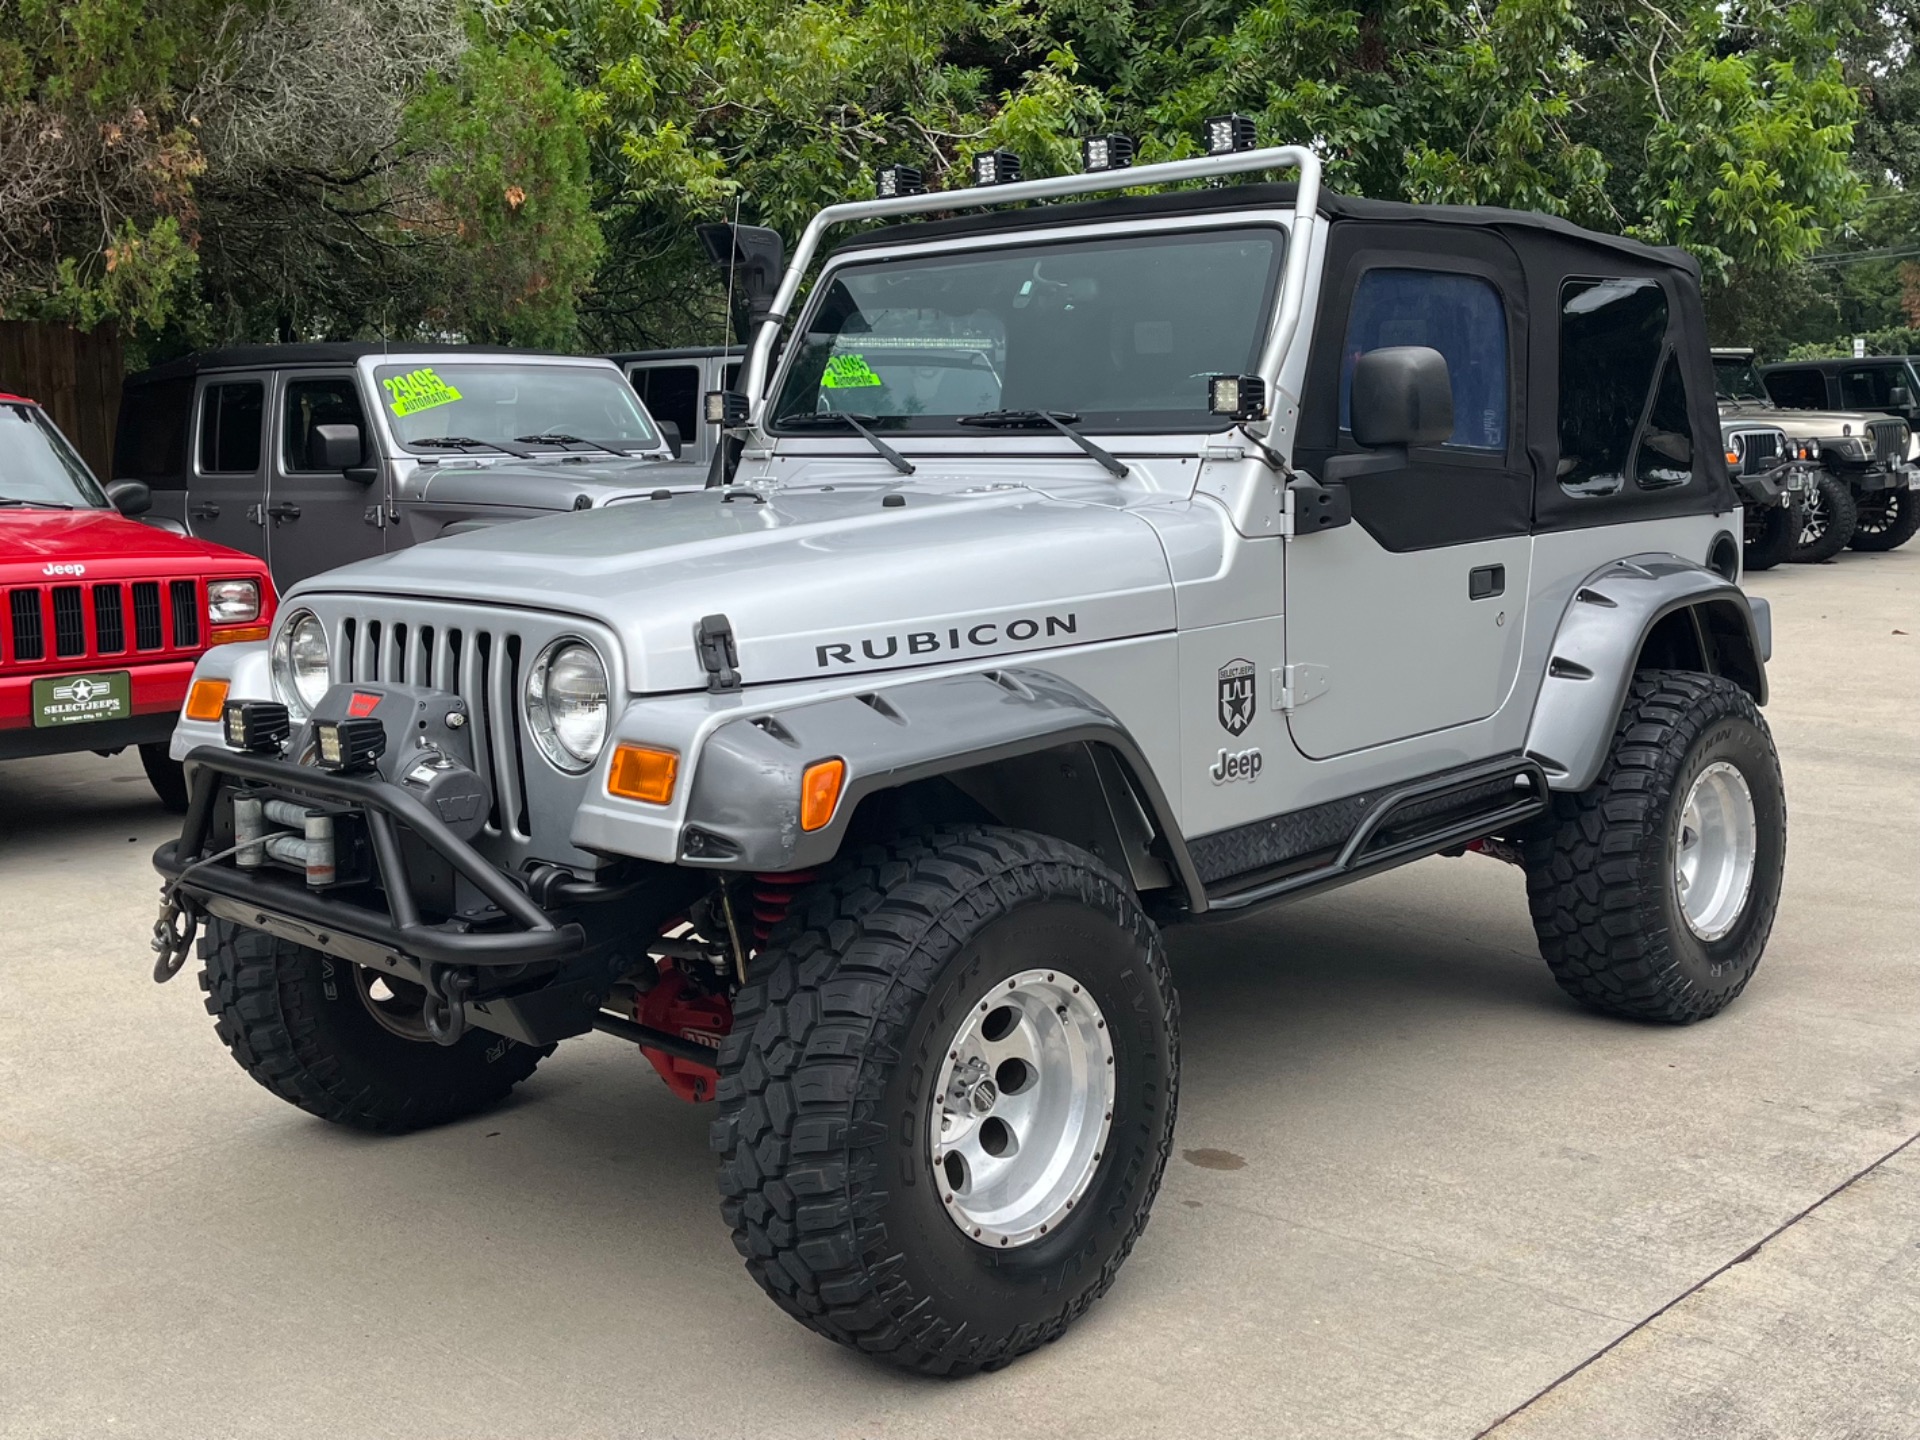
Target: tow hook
{"points": [[445, 1010], [173, 935]]}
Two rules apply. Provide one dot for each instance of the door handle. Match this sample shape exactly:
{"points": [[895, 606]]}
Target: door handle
{"points": [[206, 510], [283, 512], [1486, 581], [256, 514]]}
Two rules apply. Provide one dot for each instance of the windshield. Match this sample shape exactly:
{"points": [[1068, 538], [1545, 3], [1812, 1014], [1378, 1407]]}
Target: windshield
{"points": [[1734, 378], [1120, 333], [494, 402], [38, 467]]}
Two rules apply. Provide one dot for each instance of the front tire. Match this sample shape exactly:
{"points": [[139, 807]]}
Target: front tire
{"points": [[1826, 521], [1885, 520], [1770, 534], [343, 1042], [858, 1035], [167, 776], [1653, 892]]}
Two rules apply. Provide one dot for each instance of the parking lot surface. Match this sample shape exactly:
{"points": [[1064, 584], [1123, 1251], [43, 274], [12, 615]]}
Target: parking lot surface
{"points": [[1416, 1191]]}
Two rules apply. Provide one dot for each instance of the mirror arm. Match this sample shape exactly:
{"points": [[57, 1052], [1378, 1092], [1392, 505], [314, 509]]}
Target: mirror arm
{"points": [[1387, 458]]}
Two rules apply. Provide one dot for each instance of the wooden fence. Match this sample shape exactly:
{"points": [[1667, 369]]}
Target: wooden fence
{"points": [[74, 374]]}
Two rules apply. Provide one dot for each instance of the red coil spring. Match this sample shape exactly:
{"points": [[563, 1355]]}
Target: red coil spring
{"points": [[773, 898]]}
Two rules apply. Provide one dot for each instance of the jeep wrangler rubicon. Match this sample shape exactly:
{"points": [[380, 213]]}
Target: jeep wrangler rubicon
{"points": [[1219, 546]]}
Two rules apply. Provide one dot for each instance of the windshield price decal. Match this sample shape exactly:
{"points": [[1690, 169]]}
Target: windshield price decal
{"points": [[849, 372], [418, 390]]}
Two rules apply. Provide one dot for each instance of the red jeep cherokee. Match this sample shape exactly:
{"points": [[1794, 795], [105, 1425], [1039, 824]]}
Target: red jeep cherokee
{"points": [[101, 618]]}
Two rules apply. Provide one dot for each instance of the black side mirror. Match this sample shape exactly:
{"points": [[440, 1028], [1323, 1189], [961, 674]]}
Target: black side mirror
{"points": [[340, 446], [755, 256], [1402, 395], [1900, 396], [130, 497], [670, 432]]}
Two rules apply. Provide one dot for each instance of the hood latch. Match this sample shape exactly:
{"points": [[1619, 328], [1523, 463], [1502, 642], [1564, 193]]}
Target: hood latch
{"points": [[713, 638]]}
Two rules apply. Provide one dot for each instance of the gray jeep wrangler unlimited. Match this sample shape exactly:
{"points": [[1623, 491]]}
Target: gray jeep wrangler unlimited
{"points": [[1215, 548]]}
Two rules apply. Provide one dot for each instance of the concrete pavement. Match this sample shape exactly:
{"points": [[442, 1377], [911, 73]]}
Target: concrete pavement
{"points": [[1417, 1192]]}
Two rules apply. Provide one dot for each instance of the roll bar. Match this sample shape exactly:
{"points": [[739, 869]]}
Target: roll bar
{"points": [[1278, 157]]}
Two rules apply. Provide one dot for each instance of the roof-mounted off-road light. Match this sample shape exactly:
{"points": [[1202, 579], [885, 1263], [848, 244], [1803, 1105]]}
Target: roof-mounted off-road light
{"points": [[259, 727], [1238, 397], [1226, 134], [892, 180], [1105, 152], [347, 745], [996, 167], [726, 407]]}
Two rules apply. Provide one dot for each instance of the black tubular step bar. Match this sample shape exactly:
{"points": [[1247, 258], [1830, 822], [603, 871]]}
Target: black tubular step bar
{"points": [[1354, 861], [384, 807]]}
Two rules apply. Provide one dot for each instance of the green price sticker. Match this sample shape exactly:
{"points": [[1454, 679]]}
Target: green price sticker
{"points": [[418, 390], [849, 372]]}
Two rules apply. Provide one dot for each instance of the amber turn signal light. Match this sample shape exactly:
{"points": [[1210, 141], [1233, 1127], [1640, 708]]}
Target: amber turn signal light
{"points": [[207, 700], [234, 634], [820, 792], [640, 772]]}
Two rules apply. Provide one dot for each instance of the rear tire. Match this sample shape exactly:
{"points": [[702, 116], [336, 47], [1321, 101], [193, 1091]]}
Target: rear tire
{"points": [[167, 776], [1826, 521], [1885, 520], [1769, 538], [852, 1052], [305, 1026], [1628, 923]]}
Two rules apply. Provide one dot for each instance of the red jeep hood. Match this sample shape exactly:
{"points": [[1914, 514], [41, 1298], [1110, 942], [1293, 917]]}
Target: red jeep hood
{"points": [[106, 542]]}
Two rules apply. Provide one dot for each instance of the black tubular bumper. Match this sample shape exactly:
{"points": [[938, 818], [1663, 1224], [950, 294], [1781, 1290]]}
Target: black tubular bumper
{"points": [[281, 902]]}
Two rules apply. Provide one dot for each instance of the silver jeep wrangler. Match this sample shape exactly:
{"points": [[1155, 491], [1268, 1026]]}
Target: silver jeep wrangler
{"points": [[1075, 571]]}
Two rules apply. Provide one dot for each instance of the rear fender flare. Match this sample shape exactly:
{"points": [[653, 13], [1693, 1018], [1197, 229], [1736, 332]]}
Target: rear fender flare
{"points": [[1603, 635], [989, 731]]}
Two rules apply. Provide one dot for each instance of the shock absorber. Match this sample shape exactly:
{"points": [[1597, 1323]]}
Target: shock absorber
{"points": [[773, 896]]}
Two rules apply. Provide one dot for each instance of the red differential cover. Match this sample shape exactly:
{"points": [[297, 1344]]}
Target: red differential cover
{"points": [[676, 1007]]}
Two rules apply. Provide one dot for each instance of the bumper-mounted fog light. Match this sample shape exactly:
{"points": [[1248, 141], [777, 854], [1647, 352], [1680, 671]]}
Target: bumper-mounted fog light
{"points": [[258, 727], [348, 745]]}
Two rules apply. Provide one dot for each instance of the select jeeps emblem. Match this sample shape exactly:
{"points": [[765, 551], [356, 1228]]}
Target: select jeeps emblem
{"points": [[1236, 696]]}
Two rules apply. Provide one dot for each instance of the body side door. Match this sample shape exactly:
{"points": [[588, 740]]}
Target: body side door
{"points": [[319, 518], [227, 481]]}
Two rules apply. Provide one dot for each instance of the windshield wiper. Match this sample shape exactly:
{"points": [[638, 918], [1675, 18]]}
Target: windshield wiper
{"points": [[561, 438], [819, 419], [34, 504], [467, 442], [1061, 420]]}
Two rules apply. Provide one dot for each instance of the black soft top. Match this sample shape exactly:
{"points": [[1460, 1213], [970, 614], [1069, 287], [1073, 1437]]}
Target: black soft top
{"points": [[331, 352], [677, 352], [1518, 226]]}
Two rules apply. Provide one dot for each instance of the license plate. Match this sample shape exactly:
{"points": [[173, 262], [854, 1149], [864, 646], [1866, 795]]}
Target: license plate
{"points": [[82, 699], [1913, 479]]}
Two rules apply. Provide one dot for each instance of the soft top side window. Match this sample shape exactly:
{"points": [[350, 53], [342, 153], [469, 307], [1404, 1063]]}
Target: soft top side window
{"points": [[1665, 454], [1613, 339], [1459, 315]]}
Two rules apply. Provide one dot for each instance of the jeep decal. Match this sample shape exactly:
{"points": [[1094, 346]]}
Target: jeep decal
{"points": [[955, 639]]}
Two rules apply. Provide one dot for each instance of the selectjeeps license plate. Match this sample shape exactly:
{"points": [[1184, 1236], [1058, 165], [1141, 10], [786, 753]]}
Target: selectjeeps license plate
{"points": [[78, 699]]}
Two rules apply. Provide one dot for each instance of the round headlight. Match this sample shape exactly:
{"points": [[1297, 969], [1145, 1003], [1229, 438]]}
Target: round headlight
{"points": [[567, 704], [300, 663]]}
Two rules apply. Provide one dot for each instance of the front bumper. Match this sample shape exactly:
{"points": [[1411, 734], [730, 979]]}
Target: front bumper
{"points": [[379, 923], [1872, 479], [156, 690]]}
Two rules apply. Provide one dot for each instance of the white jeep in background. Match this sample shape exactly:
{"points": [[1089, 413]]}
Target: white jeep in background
{"points": [[1076, 571]]}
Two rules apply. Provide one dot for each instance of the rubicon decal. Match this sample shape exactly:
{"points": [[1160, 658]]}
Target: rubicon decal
{"points": [[1236, 696], [950, 640]]}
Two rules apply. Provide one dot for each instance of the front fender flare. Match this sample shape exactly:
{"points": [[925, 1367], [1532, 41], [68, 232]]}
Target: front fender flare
{"points": [[743, 812], [1599, 641], [249, 676]]}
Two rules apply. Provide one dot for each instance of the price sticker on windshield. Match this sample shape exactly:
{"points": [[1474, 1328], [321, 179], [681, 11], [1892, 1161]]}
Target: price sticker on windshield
{"points": [[849, 372], [417, 390]]}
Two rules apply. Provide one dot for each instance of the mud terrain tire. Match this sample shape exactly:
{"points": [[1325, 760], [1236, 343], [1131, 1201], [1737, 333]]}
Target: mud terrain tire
{"points": [[1826, 517], [1885, 520]]}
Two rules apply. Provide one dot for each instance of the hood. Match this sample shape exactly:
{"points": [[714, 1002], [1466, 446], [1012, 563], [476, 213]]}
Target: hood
{"points": [[816, 582], [556, 484], [103, 545], [1801, 424]]}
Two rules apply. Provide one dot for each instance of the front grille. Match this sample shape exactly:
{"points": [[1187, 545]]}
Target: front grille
{"points": [[185, 596], [147, 632], [1759, 451], [482, 666], [29, 634], [1889, 441], [59, 623]]}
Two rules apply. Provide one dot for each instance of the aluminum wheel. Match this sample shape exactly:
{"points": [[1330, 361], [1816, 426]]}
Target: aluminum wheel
{"points": [[1024, 1103], [1814, 519], [1716, 850]]}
